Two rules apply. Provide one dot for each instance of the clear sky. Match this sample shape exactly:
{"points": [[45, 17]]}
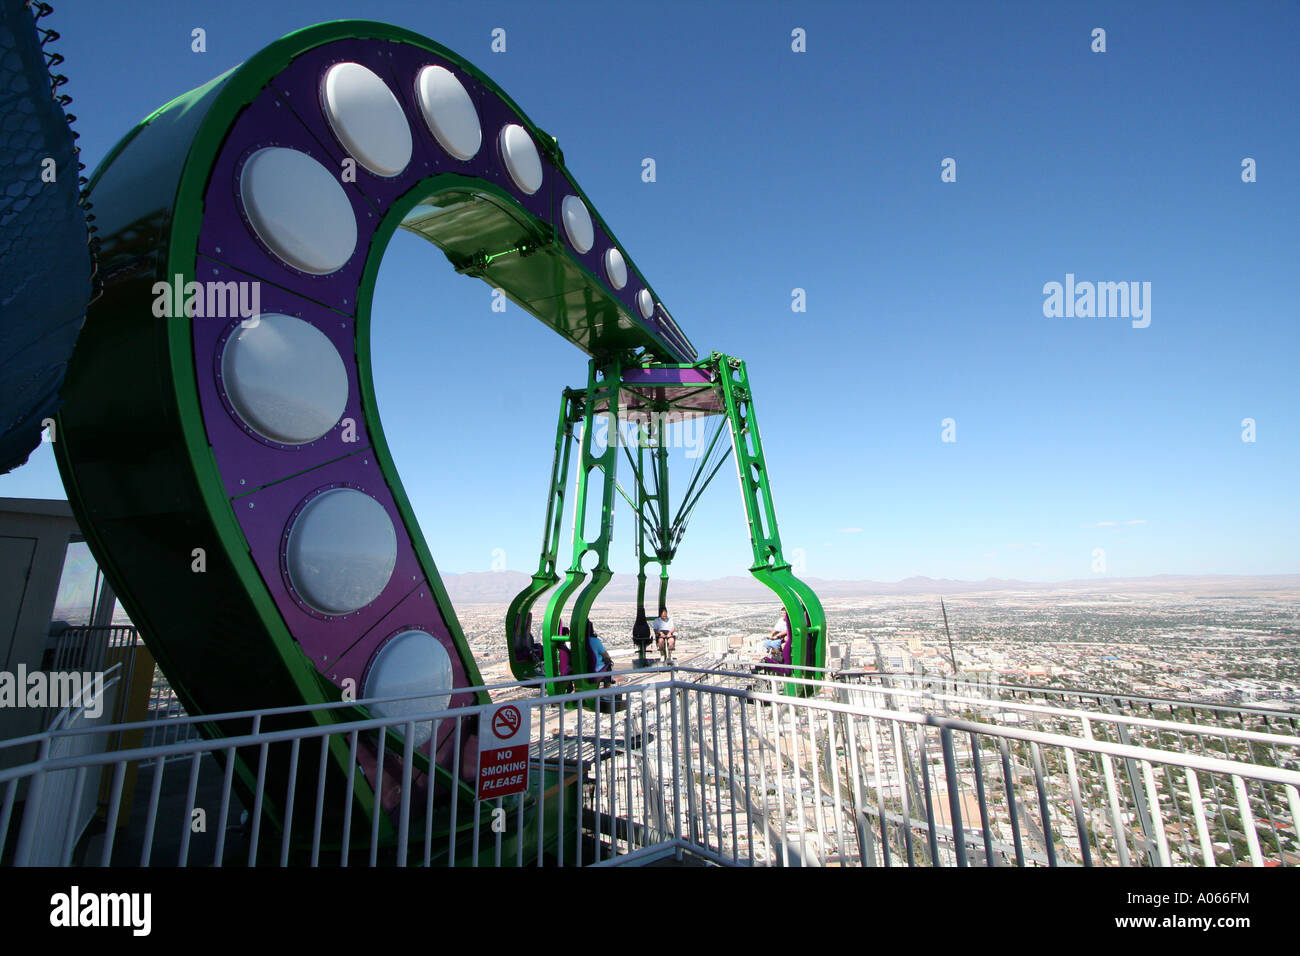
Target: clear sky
{"points": [[821, 170]]}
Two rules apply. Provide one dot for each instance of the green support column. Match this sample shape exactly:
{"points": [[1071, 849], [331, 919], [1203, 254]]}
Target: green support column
{"points": [[652, 512], [519, 637], [642, 500], [807, 619], [602, 388], [666, 552]]}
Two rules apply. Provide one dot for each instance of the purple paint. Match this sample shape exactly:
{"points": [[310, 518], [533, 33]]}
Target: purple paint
{"points": [[248, 460], [256, 472], [685, 390], [264, 517], [268, 122], [417, 611]]}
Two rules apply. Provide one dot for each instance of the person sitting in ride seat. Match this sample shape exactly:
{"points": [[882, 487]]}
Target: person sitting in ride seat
{"points": [[598, 657], [780, 631], [535, 650], [665, 635]]}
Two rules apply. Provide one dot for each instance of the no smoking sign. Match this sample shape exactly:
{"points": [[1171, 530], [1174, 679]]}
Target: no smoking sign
{"points": [[503, 750], [505, 722]]}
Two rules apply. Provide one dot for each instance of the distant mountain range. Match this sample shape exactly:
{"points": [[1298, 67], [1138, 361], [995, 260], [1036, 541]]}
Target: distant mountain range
{"points": [[494, 587]]}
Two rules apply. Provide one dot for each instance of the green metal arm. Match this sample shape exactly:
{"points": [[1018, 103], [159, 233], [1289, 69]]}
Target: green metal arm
{"points": [[603, 382], [519, 639], [657, 534], [807, 618]]}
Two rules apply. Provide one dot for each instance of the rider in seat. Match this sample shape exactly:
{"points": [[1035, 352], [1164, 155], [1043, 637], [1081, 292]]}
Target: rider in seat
{"points": [[780, 631], [599, 657], [665, 635]]}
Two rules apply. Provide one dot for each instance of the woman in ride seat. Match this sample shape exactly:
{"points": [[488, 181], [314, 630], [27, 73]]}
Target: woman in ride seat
{"points": [[598, 657], [780, 631], [665, 635]]}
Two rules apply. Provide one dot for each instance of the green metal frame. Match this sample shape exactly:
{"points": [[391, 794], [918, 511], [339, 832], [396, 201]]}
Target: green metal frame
{"points": [[807, 618], [603, 381], [652, 507], [519, 638], [133, 411]]}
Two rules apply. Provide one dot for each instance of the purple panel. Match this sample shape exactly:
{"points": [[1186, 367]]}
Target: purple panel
{"points": [[495, 116], [666, 376], [264, 517], [255, 471], [397, 65], [688, 390], [248, 460], [417, 611], [593, 259], [688, 397], [226, 234], [405, 66]]}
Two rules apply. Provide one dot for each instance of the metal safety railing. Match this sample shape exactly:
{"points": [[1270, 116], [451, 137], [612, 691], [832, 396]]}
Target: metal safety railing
{"points": [[1206, 713], [95, 648], [688, 764], [59, 804]]}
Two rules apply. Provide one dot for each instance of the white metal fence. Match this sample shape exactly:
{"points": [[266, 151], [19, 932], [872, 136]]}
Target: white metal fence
{"points": [[687, 764], [61, 803]]}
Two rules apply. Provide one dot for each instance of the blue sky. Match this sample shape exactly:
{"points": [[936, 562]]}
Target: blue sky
{"points": [[821, 170]]}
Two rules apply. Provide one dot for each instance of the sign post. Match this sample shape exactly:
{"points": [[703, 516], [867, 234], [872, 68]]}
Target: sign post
{"points": [[504, 732]]}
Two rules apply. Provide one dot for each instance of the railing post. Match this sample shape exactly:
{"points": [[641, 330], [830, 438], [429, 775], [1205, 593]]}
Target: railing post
{"points": [[986, 831], [1139, 794], [673, 715], [954, 796], [32, 811]]}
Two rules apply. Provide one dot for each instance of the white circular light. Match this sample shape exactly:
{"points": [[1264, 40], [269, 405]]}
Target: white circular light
{"points": [[285, 378], [448, 111], [366, 117], [342, 550], [646, 303], [522, 160], [615, 268], [577, 224], [412, 663], [298, 209]]}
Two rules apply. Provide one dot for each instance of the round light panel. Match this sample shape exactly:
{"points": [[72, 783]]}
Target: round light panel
{"points": [[615, 268], [523, 162], [284, 378], [367, 119], [645, 303], [298, 209], [448, 112], [341, 552], [577, 224], [414, 665]]}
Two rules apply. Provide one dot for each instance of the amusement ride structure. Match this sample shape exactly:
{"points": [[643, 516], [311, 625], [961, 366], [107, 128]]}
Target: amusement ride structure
{"points": [[222, 452], [235, 484]]}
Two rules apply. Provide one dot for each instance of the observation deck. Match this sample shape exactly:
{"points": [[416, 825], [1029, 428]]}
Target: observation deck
{"points": [[706, 765]]}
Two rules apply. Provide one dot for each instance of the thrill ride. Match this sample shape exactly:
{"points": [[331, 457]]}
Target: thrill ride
{"points": [[221, 445], [652, 396]]}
